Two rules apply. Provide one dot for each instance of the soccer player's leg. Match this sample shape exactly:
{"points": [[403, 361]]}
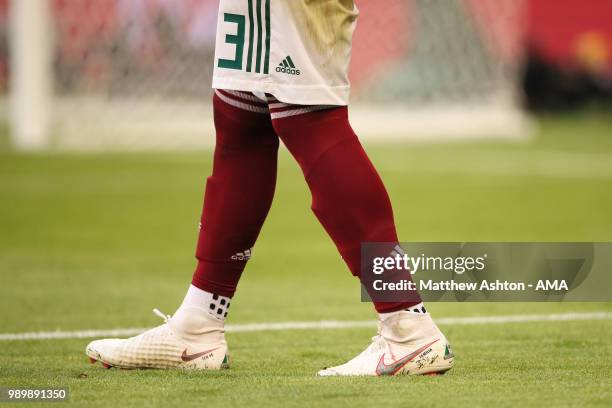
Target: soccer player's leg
{"points": [[237, 199], [352, 204]]}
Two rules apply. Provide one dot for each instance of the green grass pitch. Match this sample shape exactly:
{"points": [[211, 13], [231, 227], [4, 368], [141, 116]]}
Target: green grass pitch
{"points": [[96, 241]]}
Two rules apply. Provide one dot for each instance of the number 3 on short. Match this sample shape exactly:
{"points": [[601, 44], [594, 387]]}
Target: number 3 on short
{"points": [[236, 39]]}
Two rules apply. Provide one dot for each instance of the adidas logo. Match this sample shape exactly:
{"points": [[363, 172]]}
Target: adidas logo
{"points": [[287, 67], [242, 256]]}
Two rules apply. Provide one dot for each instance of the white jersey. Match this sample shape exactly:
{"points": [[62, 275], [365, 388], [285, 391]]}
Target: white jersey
{"points": [[296, 50]]}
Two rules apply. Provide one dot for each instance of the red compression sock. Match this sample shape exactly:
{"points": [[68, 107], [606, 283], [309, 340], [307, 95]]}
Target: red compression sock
{"points": [[348, 196], [238, 193]]}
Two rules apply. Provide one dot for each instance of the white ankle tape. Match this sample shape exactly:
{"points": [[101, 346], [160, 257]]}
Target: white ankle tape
{"points": [[216, 305]]}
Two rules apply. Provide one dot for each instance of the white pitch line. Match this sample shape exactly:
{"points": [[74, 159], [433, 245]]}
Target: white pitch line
{"points": [[323, 324]]}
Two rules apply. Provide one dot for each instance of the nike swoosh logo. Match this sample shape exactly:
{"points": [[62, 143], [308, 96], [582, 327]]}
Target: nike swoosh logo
{"points": [[394, 367], [189, 357]]}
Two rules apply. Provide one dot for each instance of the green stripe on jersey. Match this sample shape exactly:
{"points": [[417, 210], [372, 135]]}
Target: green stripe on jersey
{"points": [[259, 38], [251, 35], [267, 60]]}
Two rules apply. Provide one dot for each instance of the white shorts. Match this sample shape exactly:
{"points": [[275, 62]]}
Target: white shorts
{"points": [[297, 50]]}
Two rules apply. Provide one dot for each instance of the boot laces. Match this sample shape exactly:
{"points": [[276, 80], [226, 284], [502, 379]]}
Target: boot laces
{"points": [[164, 316]]}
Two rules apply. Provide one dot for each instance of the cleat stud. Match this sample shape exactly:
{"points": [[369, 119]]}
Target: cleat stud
{"points": [[92, 360], [105, 365]]}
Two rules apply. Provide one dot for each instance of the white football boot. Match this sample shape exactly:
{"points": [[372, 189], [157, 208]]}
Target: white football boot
{"points": [[196, 341], [407, 343]]}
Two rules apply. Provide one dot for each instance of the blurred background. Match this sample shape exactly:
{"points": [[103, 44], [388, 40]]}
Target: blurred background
{"points": [[135, 74]]}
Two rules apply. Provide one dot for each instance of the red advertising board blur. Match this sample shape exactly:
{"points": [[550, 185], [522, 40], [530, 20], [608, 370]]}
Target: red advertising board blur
{"points": [[572, 33]]}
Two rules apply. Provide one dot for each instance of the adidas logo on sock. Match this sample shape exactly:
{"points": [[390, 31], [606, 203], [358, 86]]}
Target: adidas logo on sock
{"points": [[419, 308], [242, 256], [398, 250], [287, 67]]}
